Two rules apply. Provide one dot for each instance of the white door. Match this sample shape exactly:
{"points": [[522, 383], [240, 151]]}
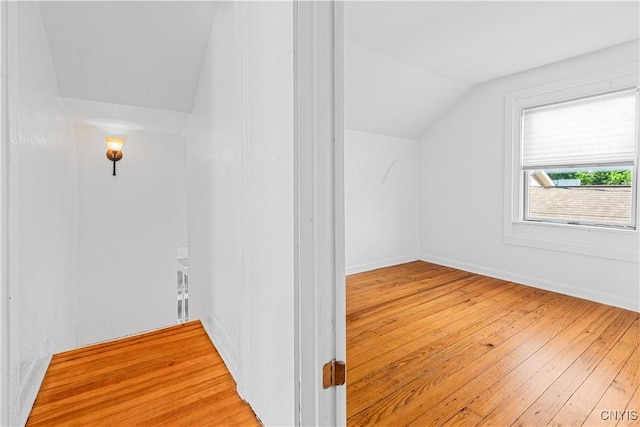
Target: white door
{"points": [[320, 298]]}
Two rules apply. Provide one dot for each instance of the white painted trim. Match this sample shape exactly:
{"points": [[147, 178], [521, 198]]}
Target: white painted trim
{"points": [[622, 245], [244, 342], [210, 326], [619, 245], [4, 218], [381, 264], [318, 231], [30, 388], [536, 282], [340, 302]]}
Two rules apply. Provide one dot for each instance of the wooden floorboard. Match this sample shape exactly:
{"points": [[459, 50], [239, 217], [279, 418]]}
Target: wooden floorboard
{"points": [[172, 376], [431, 345]]}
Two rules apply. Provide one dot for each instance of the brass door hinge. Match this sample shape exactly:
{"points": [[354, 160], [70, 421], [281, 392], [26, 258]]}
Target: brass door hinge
{"points": [[333, 373]]}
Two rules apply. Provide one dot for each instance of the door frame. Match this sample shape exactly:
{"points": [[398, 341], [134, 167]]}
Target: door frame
{"points": [[4, 217], [319, 290]]}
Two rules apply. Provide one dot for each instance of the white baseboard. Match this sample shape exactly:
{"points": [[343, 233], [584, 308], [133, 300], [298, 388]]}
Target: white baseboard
{"points": [[29, 392], [380, 264], [536, 282], [226, 348]]}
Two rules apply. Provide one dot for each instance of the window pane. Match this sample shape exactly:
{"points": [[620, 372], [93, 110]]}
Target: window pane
{"points": [[600, 196], [598, 130]]}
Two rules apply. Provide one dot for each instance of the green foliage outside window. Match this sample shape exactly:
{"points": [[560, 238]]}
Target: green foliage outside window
{"points": [[598, 177]]}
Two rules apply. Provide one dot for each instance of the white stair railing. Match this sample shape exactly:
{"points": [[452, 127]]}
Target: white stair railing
{"points": [[183, 285]]}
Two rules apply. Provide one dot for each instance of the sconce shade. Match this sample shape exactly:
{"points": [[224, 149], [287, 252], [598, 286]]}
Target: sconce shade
{"points": [[114, 144], [114, 150], [114, 155], [114, 127]]}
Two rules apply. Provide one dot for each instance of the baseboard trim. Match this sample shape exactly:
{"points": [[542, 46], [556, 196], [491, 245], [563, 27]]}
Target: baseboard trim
{"points": [[380, 264], [30, 388], [226, 350], [536, 282]]}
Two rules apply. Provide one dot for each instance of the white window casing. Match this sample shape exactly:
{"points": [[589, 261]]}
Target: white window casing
{"points": [[582, 104]]}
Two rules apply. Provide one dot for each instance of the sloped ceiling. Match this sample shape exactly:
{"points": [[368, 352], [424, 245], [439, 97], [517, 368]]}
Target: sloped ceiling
{"points": [[405, 62], [146, 53], [408, 62], [142, 54]]}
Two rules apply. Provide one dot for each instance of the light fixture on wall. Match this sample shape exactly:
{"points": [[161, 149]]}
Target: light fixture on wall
{"points": [[114, 127], [114, 150]]}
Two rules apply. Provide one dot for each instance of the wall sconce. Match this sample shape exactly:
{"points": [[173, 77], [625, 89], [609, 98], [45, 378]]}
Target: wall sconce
{"points": [[114, 127], [114, 150]]}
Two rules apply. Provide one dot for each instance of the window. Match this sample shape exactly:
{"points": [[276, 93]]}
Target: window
{"points": [[578, 160], [571, 165]]}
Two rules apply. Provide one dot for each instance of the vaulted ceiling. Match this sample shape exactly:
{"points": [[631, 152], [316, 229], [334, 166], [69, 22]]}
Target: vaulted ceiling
{"points": [[129, 60], [408, 62], [146, 54], [405, 62]]}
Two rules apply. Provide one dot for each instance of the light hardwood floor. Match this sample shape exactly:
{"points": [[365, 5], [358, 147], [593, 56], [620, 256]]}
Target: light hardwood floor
{"points": [[430, 345], [173, 376], [426, 345]]}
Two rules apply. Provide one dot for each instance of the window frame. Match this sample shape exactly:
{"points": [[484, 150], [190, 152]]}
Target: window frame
{"points": [[525, 170], [619, 243]]}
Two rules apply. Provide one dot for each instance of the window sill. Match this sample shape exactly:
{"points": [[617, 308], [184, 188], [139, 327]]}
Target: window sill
{"points": [[617, 244]]}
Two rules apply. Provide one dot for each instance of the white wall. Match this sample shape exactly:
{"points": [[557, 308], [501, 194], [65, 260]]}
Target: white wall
{"points": [[42, 306], [240, 162], [128, 229], [216, 189], [462, 194], [381, 200], [269, 242]]}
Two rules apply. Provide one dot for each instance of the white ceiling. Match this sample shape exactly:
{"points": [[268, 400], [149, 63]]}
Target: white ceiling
{"points": [[153, 120], [408, 62], [386, 96], [405, 62], [137, 53]]}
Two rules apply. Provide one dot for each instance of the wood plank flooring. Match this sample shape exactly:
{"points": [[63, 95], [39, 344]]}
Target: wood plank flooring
{"points": [[172, 376], [429, 346]]}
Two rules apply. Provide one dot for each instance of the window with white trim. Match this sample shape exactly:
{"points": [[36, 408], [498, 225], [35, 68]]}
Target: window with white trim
{"points": [[571, 165], [578, 160]]}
